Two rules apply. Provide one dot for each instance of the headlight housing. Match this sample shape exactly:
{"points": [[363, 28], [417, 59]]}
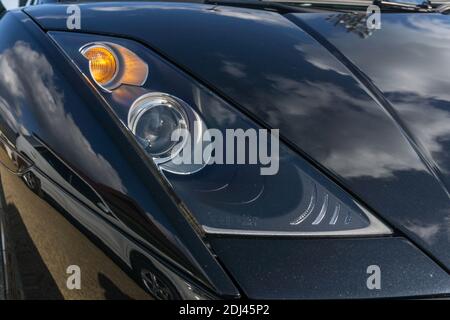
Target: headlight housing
{"points": [[223, 199]]}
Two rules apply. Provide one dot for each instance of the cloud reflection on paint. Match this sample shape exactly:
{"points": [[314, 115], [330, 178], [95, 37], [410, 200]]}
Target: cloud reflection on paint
{"points": [[408, 60], [28, 76]]}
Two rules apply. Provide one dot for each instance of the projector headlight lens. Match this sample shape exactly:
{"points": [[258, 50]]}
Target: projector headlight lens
{"points": [[166, 127], [152, 119]]}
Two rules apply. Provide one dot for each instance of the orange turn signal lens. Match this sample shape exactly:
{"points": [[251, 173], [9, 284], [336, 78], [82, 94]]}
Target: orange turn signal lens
{"points": [[112, 65], [102, 64]]}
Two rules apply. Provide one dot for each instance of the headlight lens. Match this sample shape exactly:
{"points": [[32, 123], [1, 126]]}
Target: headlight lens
{"points": [[152, 119], [224, 199]]}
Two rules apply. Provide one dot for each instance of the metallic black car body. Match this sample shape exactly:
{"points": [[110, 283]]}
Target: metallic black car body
{"points": [[303, 73]]}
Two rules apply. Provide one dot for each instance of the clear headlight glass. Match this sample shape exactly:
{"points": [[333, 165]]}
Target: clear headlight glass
{"points": [[152, 119], [298, 200]]}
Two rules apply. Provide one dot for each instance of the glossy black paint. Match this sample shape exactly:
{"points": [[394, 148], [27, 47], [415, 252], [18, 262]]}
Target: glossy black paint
{"points": [[51, 103], [376, 141], [329, 269], [407, 60], [273, 70]]}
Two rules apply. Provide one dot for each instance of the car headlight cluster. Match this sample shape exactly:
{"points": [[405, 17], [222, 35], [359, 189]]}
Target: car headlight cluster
{"points": [[152, 98]]}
